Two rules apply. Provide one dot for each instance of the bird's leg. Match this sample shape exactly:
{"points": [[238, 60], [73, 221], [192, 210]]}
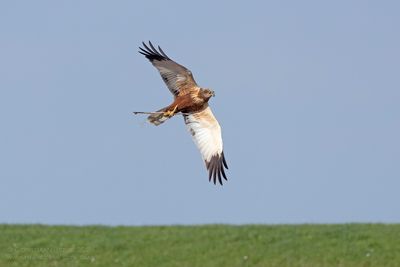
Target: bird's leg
{"points": [[170, 113]]}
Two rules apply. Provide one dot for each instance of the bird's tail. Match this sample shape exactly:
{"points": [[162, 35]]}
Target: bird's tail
{"points": [[158, 117]]}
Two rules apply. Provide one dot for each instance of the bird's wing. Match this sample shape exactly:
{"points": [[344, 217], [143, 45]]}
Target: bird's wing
{"points": [[206, 134], [176, 77]]}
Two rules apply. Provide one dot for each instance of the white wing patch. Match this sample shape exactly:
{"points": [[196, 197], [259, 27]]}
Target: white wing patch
{"points": [[206, 134]]}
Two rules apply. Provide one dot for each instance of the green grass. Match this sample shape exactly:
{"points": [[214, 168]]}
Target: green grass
{"points": [[210, 245]]}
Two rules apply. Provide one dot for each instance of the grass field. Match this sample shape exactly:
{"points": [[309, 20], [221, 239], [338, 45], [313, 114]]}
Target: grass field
{"points": [[210, 245]]}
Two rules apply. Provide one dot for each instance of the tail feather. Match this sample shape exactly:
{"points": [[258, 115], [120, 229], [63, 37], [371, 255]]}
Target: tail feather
{"points": [[158, 118]]}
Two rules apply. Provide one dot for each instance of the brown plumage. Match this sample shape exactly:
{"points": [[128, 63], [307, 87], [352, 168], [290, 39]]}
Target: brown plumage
{"points": [[192, 102]]}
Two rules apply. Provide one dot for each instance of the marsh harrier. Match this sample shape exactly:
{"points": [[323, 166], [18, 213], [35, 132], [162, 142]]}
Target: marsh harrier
{"points": [[191, 101]]}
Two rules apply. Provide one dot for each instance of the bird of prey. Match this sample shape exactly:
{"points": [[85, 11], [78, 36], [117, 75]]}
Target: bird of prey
{"points": [[191, 101]]}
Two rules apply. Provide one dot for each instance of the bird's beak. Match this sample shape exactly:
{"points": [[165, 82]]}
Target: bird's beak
{"points": [[213, 93]]}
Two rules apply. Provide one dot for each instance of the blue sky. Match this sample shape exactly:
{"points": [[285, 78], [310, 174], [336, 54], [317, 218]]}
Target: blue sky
{"points": [[307, 94]]}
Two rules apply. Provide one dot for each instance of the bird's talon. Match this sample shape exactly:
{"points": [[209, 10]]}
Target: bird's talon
{"points": [[170, 113]]}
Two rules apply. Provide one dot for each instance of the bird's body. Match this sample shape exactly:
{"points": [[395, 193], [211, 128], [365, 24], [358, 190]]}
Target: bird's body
{"points": [[192, 101], [187, 102]]}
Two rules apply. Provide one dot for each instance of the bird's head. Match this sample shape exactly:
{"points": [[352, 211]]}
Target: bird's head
{"points": [[207, 93]]}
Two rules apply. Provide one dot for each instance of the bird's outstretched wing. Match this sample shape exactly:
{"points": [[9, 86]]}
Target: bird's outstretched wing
{"points": [[177, 78], [206, 134]]}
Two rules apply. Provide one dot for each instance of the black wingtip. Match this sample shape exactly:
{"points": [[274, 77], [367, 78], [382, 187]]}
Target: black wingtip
{"points": [[216, 167], [151, 53], [224, 161]]}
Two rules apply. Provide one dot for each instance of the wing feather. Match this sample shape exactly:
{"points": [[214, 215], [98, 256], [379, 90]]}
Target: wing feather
{"points": [[177, 78], [206, 134]]}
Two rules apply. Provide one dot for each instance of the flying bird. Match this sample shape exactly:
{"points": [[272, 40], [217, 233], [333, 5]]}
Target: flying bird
{"points": [[191, 101]]}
